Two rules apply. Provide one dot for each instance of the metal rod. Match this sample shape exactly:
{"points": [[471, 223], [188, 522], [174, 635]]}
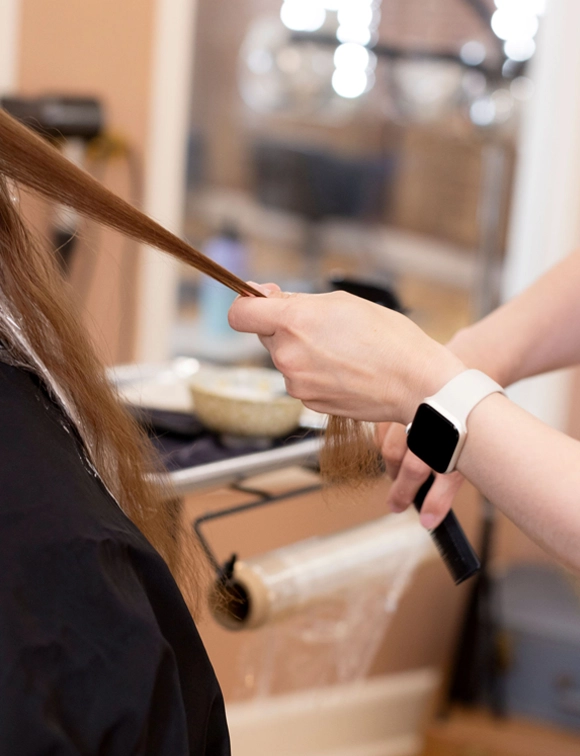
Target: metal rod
{"points": [[264, 500], [229, 471], [394, 52]]}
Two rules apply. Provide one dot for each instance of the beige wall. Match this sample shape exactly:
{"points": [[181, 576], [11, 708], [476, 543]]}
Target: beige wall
{"points": [[100, 48]]}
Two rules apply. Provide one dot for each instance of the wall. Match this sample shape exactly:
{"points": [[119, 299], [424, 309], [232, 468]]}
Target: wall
{"points": [[101, 48], [546, 205], [9, 39]]}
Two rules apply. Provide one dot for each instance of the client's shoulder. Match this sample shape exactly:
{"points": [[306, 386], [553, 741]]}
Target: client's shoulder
{"points": [[44, 475]]}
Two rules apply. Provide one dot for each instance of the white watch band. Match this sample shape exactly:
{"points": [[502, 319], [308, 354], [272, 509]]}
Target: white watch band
{"points": [[463, 393], [438, 431]]}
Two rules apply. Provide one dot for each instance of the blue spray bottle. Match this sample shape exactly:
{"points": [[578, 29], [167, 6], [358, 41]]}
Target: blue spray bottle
{"points": [[215, 299]]}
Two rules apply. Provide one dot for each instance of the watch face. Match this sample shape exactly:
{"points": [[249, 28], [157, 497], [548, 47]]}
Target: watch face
{"points": [[433, 438]]}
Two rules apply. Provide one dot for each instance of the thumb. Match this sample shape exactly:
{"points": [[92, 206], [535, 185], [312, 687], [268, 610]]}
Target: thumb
{"points": [[266, 289]]}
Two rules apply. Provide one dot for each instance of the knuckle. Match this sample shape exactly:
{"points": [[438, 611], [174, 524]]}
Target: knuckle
{"points": [[414, 469], [397, 502], [315, 404], [342, 296], [392, 451], [294, 388], [437, 504], [283, 361], [381, 433]]}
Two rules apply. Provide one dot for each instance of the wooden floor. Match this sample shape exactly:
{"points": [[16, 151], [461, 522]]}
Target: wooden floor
{"points": [[477, 733]]}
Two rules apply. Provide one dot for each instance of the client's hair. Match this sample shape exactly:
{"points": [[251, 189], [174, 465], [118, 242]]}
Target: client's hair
{"points": [[40, 328]]}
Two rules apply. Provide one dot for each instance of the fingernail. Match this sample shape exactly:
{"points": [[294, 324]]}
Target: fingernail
{"points": [[262, 288], [428, 520]]}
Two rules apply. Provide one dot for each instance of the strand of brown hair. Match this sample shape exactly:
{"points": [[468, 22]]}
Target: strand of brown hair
{"points": [[31, 283]]}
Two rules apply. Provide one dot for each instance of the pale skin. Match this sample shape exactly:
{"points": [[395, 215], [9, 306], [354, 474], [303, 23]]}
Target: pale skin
{"points": [[345, 356]]}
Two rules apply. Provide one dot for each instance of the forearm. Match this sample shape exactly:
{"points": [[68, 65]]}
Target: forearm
{"points": [[534, 333], [528, 470]]}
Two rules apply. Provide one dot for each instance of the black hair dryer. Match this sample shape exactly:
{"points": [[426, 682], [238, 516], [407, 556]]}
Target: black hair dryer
{"points": [[71, 122]]}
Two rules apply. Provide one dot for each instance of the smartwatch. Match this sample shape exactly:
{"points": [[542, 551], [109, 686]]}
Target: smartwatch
{"points": [[439, 429]]}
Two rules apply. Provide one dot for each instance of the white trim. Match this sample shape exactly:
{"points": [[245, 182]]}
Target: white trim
{"points": [[165, 171], [546, 216], [9, 44]]}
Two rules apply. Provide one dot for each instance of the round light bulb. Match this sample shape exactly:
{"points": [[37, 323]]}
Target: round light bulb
{"points": [[351, 55], [348, 83], [514, 24], [302, 15], [473, 53], [361, 35], [519, 49], [482, 112]]}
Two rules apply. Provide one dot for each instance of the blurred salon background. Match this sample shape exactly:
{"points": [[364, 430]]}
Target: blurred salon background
{"points": [[422, 153]]}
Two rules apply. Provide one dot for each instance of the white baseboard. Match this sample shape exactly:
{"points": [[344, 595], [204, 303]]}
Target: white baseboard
{"points": [[382, 716]]}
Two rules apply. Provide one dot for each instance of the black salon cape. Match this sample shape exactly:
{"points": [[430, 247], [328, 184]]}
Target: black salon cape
{"points": [[98, 653]]}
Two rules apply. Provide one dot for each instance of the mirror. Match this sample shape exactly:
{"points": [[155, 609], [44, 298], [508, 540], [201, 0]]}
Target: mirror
{"points": [[352, 139]]}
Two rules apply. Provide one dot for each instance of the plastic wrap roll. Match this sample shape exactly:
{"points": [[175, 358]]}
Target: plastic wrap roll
{"points": [[274, 585]]}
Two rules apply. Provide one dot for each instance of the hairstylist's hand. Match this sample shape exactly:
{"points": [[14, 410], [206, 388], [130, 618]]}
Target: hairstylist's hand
{"points": [[407, 471], [408, 474], [343, 355]]}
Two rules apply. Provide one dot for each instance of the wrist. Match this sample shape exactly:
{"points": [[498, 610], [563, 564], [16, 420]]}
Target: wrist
{"points": [[442, 366], [439, 429], [479, 353]]}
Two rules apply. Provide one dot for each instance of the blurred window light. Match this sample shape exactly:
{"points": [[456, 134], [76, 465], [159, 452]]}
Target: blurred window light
{"points": [[482, 111], [302, 15], [514, 23], [349, 83], [519, 49], [351, 55], [522, 88], [473, 53], [537, 7], [332, 5]]}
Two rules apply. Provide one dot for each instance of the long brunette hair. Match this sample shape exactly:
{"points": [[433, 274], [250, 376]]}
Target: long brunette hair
{"points": [[40, 326]]}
